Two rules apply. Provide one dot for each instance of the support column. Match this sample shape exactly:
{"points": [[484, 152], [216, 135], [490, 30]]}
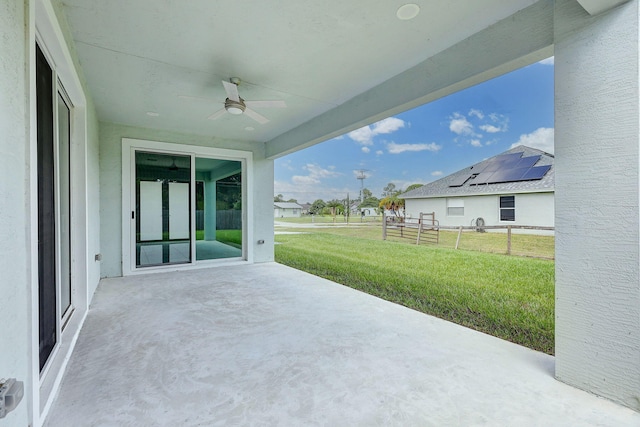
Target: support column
{"points": [[210, 216], [597, 202]]}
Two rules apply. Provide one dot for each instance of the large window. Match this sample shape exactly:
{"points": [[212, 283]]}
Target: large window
{"points": [[455, 207], [507, 208]]}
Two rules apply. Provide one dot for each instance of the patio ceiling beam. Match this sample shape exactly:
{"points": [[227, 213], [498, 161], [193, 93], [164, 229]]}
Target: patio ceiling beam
{"points": [[595, 7], [521, 39]]}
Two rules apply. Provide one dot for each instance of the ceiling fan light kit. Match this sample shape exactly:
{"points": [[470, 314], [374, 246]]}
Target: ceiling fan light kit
{"points": [[234, 107]]}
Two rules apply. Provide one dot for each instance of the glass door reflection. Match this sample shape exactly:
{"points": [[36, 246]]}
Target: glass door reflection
{"points": [[163, 209], [218, 208]]}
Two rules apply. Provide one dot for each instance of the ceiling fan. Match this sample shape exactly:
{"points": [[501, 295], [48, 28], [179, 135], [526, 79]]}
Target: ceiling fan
{"points": [[236, 105]]}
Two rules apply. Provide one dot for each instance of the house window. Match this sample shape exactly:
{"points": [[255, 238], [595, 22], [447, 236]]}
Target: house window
{"points": [[455, 207], [507, 208]]}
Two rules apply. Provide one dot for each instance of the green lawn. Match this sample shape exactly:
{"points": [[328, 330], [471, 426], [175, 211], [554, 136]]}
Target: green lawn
{"points": [[230, 237], [521, 244], [508, 297], [328, 219]]}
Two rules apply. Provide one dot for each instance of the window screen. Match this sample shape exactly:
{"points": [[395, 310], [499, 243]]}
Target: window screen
{"points": [[507, 208], [455, 207]]}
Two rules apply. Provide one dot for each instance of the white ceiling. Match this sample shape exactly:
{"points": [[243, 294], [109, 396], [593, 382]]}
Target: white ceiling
{"points": [[147, 55]]}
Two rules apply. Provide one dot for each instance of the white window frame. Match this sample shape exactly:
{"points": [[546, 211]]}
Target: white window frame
{"points": [[455, 203], [49, 37], [129, 148], [500, 208]]}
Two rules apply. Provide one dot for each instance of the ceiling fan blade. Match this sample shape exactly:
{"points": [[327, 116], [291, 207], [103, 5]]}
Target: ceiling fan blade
{"points": [[217, 114], [265, 104], [232, 91], [255, 116]]}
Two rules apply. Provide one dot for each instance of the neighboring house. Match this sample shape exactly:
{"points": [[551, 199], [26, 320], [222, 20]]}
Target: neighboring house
{"points": [[305, 208], [287, 210], [512, 188]]}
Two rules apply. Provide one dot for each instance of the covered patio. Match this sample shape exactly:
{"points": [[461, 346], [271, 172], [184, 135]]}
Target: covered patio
{"points": [[116, 115], [266, 344]]}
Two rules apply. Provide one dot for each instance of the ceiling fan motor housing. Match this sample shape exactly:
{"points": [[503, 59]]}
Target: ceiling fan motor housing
{"points": [[234, 107]]}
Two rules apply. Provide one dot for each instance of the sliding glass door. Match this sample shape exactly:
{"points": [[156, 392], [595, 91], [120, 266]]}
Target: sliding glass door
{"points": [[218, 208], [188, 208], [163, 209]]}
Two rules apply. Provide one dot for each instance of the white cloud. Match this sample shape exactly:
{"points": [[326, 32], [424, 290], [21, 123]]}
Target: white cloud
{"points": [[394, 148], [316, 173], [308, 192], [477, 113], [476, 143], [436, 173], [460, 125], [541, 138], [548, 61], [304, 180], [365, 134], [366, 149], [491, 128], [379, 153], [388, 125]]}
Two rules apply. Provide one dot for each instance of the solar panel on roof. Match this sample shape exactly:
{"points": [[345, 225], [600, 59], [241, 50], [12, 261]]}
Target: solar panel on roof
{"points": [[510, 160], [536, 172], [527, 162], [481, 178], [459, 182], [507, 175]]}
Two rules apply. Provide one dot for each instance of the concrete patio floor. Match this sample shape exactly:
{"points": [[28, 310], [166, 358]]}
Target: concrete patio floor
{"points": [[269, 345]]}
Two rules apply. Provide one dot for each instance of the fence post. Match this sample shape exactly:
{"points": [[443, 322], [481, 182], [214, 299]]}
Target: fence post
{"points": [[458, 239], [384, 226], [508, 240]]}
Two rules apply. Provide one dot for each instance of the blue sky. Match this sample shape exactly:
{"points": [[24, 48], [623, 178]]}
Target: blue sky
{"points": [[428, 142]]}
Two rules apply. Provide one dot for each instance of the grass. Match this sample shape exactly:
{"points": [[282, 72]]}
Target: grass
{"points": [[230, 237], [509, 297], [521, 244], [328, 219]]}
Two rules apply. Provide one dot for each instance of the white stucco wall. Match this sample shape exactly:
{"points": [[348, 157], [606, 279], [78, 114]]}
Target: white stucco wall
{"points": [[597, 215], [15, 251], [536, 209], [91, 208], [111, 189], [286, 213]]}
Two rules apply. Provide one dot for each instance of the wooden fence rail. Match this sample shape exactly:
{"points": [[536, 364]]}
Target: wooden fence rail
{"points": [[426, 229]]}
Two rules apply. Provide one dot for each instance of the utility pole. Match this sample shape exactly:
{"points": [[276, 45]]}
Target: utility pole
{"points": [[361, 176]]}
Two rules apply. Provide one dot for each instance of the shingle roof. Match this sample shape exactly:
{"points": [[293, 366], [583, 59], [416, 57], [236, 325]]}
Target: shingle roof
{"points": [[287, 205], [442, 187]]}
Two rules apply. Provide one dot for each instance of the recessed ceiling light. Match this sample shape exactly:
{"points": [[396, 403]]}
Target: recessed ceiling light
{"points": [[152, 114], [408, 11], [249, 128]]}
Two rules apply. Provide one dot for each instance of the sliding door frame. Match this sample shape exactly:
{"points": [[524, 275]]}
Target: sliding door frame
{"points": [[129, 148]]}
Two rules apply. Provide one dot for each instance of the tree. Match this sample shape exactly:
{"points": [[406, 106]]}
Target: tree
{"points": [[292, 201], [393, 203], [336, 207], [370, 201], [317, 207], [278, 198], [390, 190], [413, 187]]}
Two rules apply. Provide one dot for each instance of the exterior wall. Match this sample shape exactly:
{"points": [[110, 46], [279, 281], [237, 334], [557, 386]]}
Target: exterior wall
{"points": [[91, 185], [286, 213], [111, 189], [15, 252], [597, 215], [535, 209]]}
